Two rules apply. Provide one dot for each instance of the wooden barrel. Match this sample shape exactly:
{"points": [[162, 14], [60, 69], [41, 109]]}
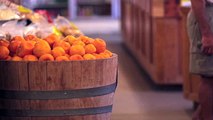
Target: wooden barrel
{"points": [[75, 90]]}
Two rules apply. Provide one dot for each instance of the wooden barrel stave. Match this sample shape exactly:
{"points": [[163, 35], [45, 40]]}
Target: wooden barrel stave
{"points": [[89, 102], [53, 76]]}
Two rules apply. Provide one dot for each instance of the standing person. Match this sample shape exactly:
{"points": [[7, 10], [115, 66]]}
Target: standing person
{"points": [[200, 30]]}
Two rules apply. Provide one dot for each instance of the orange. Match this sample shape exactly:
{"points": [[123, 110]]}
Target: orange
{"points": [[46, 57], [62, 58], [16, 58], [32, 42], [41, 48], [101, 56], [70, 39], [89, 57], [58, 51], [77, 49], [14, 45], [30, 58], [76, 57], [18, 38], [36, 39], [67, 55], [4, 52], [8, 58], [78, 42], [90, 48], [26, 48], [86, 39], [51, 39], [100, 45], [104, 55], [95, 54], [63, 44], [4, 43], [29, 37], [108, 52]]}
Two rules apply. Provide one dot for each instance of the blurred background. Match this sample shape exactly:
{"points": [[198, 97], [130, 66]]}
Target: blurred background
{"points": [[151, 41]]}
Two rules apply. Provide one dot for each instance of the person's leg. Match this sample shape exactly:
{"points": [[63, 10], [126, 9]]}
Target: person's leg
{"points": [[196, 115], [206, 99]]}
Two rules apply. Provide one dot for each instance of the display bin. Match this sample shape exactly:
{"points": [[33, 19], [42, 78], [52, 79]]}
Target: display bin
{"points": [[73, 90]]}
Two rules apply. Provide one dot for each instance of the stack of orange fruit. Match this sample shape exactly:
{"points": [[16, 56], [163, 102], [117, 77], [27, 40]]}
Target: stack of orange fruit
{"points": [[52, 48]]}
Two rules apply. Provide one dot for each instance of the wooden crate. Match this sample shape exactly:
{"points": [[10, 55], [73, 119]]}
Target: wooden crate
{"points": [[72, 90]]}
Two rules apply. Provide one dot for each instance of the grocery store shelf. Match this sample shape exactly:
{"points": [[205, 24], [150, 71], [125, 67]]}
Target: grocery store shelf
{"points": [[93, 1], [75, 5], [51, 6], [94, 4]]}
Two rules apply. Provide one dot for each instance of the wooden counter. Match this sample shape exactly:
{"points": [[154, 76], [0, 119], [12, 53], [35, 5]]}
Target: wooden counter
{"points": [[160, 44], [153, 40]]}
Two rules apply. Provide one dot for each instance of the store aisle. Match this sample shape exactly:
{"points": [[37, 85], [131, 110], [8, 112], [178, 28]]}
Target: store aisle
{"points": [[136, 97]]}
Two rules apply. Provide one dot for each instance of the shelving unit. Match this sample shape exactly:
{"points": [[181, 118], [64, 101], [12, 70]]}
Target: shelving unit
{"points": [[94, 8], [54, 7], [154, 39], [77, 8]]}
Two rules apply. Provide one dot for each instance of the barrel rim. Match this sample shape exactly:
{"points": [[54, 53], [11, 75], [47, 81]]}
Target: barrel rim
{"points": [[113, 57]]}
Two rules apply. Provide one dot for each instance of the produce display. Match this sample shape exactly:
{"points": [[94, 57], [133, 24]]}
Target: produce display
{"points": [[44, 58], [15, 17], [53, 48], [26, 35]]}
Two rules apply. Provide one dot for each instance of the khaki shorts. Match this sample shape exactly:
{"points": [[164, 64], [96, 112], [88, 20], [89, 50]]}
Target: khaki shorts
{"points": [[199, 63]]}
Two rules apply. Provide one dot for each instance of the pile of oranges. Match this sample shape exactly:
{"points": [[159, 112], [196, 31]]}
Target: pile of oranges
{"points": [[52, 48]]}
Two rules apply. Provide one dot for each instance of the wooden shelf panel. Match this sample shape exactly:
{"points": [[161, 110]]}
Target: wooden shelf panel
{"points": [[154, 41]]}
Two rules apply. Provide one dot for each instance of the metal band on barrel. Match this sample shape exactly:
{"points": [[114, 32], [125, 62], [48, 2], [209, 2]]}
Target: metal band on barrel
{"points": [[53, 95], [55, 113]]}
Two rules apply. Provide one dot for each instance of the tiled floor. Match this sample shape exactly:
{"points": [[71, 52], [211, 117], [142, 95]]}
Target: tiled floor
{"points": [[137, 98]]}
